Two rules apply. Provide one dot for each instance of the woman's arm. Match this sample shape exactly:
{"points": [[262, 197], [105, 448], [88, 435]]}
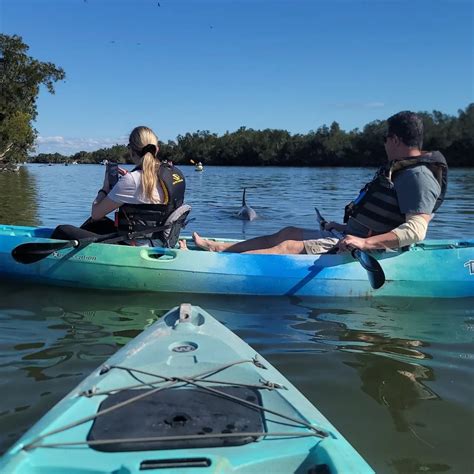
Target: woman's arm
{"points": [[102, 206]]}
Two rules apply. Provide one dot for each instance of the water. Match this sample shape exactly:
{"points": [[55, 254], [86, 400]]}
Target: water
{"points": [[394, 375]]}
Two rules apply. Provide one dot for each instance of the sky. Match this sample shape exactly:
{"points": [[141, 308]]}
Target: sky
{"points": [[180, 66]]}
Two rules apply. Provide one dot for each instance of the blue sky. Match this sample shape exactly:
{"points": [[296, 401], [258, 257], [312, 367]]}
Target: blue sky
{"points": [[184, 65]]}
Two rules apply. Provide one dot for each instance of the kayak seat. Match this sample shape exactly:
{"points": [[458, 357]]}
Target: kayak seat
{"points": [[177, 412], [176, 220]]}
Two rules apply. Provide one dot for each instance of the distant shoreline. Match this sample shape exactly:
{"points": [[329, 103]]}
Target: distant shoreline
{"points": [[327, 146]]}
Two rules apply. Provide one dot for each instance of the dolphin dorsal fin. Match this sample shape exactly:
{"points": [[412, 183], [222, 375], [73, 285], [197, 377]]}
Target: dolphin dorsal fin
{"points": [[243, 198]]}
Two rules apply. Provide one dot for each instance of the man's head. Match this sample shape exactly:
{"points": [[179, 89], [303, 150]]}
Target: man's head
{"points": [[404, 135]]}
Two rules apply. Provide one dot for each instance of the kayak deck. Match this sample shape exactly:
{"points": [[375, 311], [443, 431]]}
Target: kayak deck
{"points": [[433, 268], [187, 393]]}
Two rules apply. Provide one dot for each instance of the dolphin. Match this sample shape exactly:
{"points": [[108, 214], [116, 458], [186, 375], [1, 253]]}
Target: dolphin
{"points": [[246, 213]]}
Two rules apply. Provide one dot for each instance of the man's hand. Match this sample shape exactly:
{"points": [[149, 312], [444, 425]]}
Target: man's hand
{"points": [[383, 241], [350, 242]]}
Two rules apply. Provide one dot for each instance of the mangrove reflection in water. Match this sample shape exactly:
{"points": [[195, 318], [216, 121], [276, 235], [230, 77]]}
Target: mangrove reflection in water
{"points": [[19, 195], [393, 374]]}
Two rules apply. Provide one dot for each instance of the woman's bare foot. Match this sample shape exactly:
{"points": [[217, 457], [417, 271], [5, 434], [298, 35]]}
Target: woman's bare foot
{"points": [[183, 245]]}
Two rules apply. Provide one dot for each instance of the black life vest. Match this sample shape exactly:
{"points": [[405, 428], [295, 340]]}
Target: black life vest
{"points": [[377, 209], [137, 217]]}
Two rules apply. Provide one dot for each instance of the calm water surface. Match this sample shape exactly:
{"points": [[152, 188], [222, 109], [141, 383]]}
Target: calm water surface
{"points": [[396, 376]]}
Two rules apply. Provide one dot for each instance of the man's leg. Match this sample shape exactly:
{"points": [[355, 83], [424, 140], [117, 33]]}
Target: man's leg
{"points": [[288, 247], [251, 245]]}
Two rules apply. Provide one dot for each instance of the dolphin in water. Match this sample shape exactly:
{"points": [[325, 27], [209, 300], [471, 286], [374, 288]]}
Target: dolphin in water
{"points": [[246, 213]]}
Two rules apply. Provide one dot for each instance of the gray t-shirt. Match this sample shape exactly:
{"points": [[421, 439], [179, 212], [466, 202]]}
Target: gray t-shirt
{"points": [[417, 191]]}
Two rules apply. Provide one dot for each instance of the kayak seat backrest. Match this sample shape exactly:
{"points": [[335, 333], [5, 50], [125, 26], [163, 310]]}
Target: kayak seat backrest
{"points": [[177, 412], [176, 220]]}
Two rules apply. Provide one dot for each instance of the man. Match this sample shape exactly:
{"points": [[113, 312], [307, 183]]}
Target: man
{"points": [[391, 211]]}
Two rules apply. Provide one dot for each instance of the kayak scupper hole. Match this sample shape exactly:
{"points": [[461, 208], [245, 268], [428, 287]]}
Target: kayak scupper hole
{"points": [[206, 429], [180, 419]]}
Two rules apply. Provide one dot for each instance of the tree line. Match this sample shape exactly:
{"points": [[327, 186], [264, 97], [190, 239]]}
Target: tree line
{"points": [[326, 146], [21, 77]]}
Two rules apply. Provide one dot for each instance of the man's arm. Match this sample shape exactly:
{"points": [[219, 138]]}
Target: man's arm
{"points": [[411, 231]]}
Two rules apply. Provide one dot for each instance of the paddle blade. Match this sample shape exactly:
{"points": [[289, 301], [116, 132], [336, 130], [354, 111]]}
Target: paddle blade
{"points": [[35, 251], [375, 272], [322, 221]]}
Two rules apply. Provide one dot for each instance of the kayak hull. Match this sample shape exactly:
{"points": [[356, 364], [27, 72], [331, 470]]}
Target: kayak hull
{"points": [[435, 268], [186, 343]]}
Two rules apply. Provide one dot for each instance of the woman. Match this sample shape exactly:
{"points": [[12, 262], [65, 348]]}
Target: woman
{"points": [[145, 198]]}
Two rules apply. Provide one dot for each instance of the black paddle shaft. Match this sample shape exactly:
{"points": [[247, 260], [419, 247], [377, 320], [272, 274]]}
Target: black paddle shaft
{"points": [[374, 270]]}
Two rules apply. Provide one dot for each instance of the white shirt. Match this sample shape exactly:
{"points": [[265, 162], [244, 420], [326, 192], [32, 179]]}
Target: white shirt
{"points": [[128, 190]]}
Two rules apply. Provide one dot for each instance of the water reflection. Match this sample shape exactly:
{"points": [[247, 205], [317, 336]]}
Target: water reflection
{"points": [[382, 371], [19, 194], [397, 386]]}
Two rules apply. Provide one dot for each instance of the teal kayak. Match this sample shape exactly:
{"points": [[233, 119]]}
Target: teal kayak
{"points": [[186, 395], [433, 268]]}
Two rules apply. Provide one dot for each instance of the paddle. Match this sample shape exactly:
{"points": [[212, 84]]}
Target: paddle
{"points": [[34, 251], [375, 272]]}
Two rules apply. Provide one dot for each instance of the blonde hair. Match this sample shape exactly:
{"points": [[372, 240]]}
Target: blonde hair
{"points": [[139, 139]]}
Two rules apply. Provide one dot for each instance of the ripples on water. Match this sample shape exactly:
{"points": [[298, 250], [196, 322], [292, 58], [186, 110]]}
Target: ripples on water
{"points": [[52, 195], [394, 375]]}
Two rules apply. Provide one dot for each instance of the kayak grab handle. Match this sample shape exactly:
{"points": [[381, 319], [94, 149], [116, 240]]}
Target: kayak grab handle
{"points": [[158, 253]]}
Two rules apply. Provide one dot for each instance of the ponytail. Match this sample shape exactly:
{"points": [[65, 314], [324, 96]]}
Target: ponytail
{"points": [[150, 167], [145, 145]]}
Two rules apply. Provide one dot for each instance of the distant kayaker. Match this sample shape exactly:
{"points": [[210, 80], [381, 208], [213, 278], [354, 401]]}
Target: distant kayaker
{"points": [[147, 197], [392, 211]]}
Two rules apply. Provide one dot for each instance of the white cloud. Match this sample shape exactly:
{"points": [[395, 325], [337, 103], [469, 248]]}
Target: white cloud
{"points": [[71, 145]]}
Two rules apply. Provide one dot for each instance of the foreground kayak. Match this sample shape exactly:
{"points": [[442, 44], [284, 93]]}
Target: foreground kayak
{"points": [[186, 393], [434, 268]]}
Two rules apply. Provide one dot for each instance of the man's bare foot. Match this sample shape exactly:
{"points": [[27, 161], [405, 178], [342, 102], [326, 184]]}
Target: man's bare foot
{"points": [[204, 243], [183, 245]]}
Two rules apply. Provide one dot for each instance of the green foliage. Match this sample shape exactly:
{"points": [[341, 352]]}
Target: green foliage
{"points": [[327, 146], [20, 80]]}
